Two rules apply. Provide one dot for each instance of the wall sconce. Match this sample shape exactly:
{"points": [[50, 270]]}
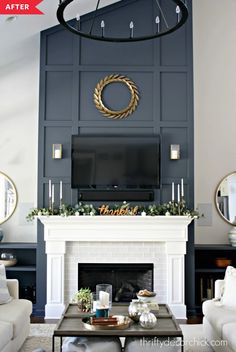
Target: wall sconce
{"points": [[174, 152], [57, 151]]}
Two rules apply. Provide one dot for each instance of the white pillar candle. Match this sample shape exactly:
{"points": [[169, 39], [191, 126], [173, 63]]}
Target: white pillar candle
{"points": [[104, 298], [50, 188], [173, 192], [60, 190], [182, 187], [178, 193], [52, 193]]}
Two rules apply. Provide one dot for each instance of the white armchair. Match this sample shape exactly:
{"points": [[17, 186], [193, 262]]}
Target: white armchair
{"points": [[14, 320], [13, 287], [219, 322], [219, 289]]}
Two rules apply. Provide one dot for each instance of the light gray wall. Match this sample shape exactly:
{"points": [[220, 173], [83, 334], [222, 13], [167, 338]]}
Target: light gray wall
{"points": [[18, 126], [214, 38]]}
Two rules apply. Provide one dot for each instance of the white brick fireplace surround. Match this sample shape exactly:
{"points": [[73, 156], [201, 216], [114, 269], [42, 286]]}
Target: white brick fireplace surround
{"points": [[160, 240]]}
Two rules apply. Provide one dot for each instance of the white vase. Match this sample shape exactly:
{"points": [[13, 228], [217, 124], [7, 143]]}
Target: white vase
{"points": [[1, 235], [232, 237]]}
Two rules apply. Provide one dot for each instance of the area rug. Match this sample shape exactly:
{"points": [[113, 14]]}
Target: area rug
{"points": [[40, 338], [194, 340]]}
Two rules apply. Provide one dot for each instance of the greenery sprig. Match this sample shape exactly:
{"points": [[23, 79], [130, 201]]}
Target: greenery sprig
{"points": [[167, 209], [83, 299]]}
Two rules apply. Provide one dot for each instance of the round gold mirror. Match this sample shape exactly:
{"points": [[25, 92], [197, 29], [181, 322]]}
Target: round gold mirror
{"points": [[8, 197], [225, 198]]}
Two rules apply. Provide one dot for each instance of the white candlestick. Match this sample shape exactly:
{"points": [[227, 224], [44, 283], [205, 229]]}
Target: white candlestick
{"points": [[173, 192], [182, 187], [104, 298], [52, 194], [50, 188], [178, 193], [60, 190]]}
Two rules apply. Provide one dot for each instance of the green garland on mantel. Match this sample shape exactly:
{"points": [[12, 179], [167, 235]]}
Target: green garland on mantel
{"points": [[167, 209]]}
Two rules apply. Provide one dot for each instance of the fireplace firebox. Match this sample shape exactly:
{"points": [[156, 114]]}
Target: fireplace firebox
{"points": [[126, 279]]}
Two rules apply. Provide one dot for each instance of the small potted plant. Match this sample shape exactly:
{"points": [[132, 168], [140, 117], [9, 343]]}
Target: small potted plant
{"points": [[84, 299]]}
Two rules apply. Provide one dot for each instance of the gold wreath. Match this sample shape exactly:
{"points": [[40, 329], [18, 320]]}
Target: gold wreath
{"points": [[113, 114]]}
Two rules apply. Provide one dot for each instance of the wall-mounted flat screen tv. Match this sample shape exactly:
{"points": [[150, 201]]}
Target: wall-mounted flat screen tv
{"points": [[113, 162]]}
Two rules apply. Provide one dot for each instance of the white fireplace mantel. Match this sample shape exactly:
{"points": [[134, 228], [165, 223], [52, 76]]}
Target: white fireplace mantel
{"points": [[171, 230]]}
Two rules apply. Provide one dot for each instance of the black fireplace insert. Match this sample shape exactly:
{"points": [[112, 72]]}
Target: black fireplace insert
{"points": [[126, 279]]}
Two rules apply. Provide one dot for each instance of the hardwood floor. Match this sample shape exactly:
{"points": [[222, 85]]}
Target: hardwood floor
{"points": [[195, 320]]}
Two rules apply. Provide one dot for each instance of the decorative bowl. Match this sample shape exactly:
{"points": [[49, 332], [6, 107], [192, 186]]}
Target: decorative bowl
{"points": [[123, 322], [223, 262], [146, 296], [8, 259], [10, 262], [146, 299]]}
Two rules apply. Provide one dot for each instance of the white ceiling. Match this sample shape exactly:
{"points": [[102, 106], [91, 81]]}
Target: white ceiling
{"points": [[15, 34]]}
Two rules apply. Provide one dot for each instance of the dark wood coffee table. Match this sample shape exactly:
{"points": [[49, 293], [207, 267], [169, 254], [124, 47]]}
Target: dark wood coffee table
{"points": [[71, 324]]}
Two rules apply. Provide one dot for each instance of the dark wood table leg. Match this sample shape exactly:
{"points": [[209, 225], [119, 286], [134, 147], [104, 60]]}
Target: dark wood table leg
{"points": [[182, 344], [61, 344]]}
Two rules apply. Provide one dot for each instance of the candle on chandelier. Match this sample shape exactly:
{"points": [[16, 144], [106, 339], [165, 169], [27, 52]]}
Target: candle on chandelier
{"points": [[103, 27], [78, 22], [131, 26], [178, 193], [178, 13], [157, 20], [173, 192]]}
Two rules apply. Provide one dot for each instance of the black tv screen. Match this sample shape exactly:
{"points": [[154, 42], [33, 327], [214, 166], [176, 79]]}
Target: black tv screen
{"points": [[115, 162]]}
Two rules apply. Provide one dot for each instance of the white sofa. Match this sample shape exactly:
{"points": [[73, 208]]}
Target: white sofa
{"points": [[219, 322], [14, 320]]}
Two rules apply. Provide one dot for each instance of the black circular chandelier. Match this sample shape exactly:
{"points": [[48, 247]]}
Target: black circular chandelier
{"points": [[98, 32]]}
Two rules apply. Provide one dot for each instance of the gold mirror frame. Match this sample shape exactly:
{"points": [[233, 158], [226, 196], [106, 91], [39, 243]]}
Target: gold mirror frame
{"points": [[15, 199], [113, 114], [216, 199]]}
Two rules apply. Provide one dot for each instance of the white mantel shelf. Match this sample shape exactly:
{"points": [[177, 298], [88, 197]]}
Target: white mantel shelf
{"points": [[116, 228], [171, 230]]}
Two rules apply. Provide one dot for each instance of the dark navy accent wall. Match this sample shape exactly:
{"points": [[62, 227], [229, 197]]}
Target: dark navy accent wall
{"points": [[70, 69]]}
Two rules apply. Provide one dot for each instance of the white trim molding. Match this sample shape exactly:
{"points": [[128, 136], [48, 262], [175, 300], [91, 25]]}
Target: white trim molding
{"points": [[171, 230]]}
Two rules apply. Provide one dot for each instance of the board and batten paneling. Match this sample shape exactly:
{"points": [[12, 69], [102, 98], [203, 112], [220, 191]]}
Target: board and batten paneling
{"points": [[70, 69]]}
